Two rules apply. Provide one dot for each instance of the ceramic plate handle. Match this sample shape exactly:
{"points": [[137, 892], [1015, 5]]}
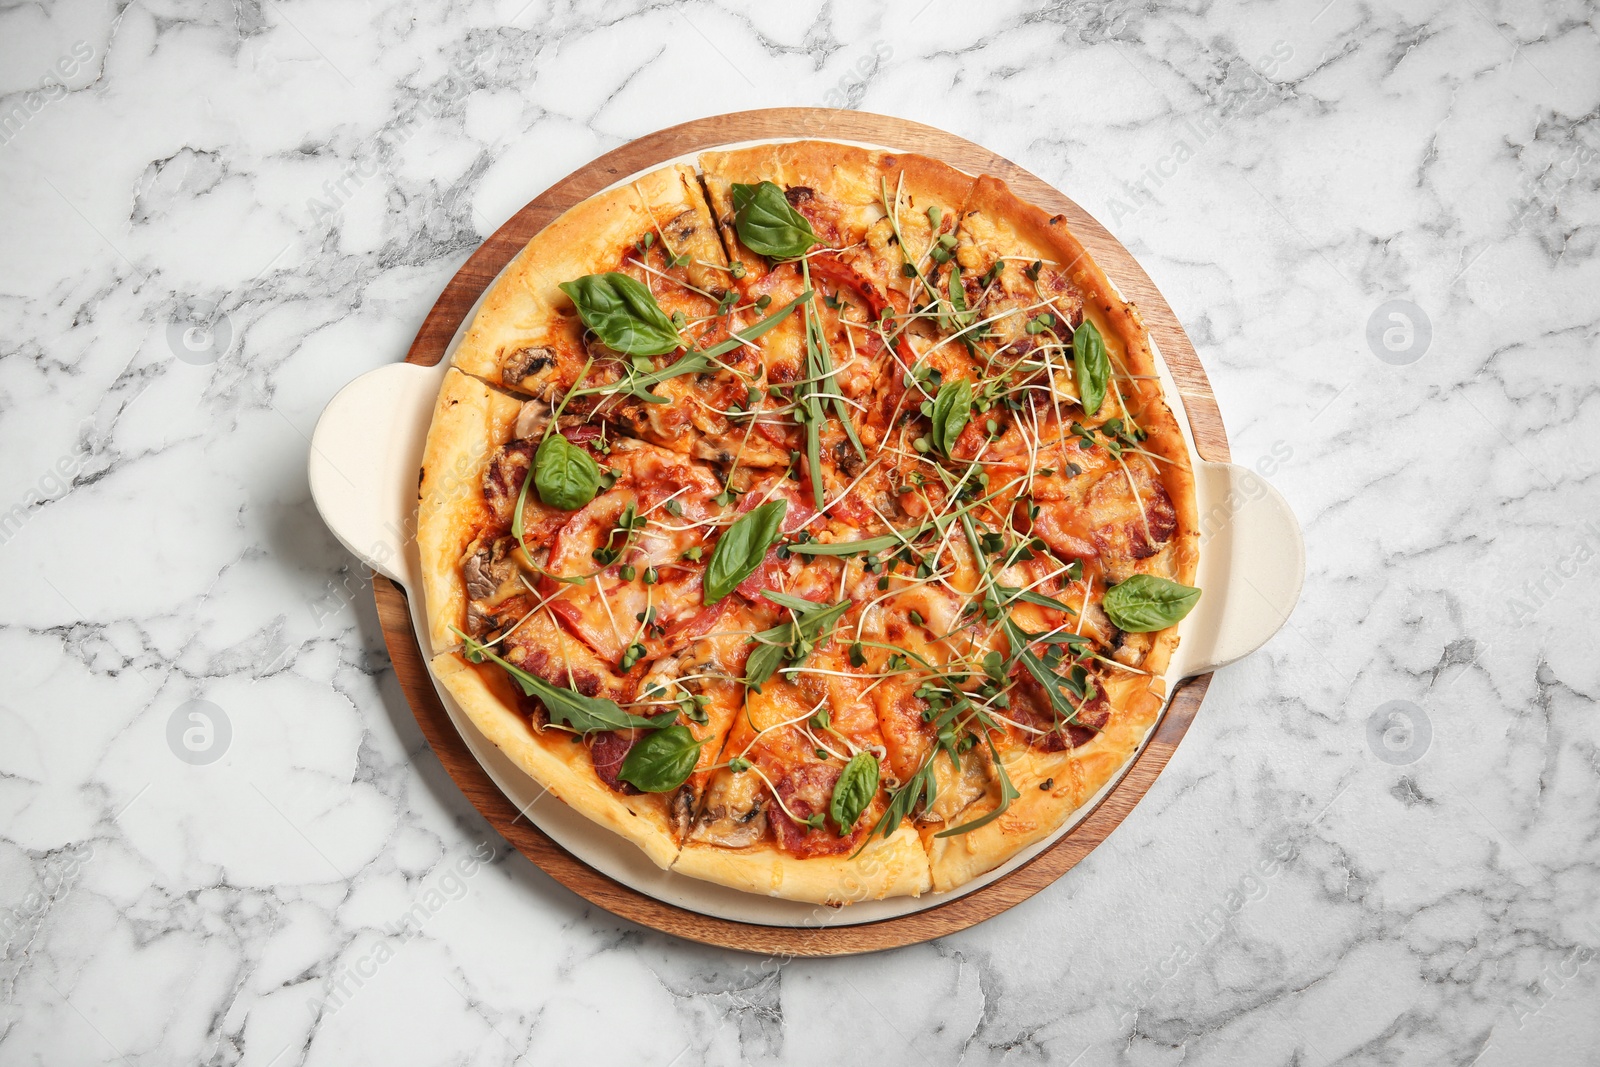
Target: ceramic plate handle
{"points": [[365, 454], [1252, 564]]}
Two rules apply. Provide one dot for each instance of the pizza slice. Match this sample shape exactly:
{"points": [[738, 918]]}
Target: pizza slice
{"points": [[852, 228], [791, 807], [568, 612]]}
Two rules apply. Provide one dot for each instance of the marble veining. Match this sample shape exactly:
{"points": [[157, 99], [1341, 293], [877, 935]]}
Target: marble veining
{"points": [[222, 837]]}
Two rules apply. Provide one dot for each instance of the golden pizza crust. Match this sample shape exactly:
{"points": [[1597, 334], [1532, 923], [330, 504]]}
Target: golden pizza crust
{"points": [[1074, 774], [554, 760], [470, 422], [893, 867]]}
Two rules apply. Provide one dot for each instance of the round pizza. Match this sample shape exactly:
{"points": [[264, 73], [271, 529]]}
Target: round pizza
{"points": [[812, 518]]}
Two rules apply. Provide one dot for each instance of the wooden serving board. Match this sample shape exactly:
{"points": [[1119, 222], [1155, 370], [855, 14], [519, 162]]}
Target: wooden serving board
{"points": [[411, 667]]}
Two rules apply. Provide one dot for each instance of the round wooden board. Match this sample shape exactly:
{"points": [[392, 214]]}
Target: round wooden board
{"points": [[411, 667]]}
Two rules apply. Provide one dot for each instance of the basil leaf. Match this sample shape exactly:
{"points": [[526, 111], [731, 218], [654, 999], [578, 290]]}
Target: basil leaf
{"points": [[766, 223], [623, 314], [1146, 602], [565, 475], [742, 548], [857, 785], [566, 706], [1091, 366], [660, 762], [951, 410]]}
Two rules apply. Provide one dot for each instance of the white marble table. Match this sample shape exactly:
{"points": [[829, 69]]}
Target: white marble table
{"points": [[1321, 876]]}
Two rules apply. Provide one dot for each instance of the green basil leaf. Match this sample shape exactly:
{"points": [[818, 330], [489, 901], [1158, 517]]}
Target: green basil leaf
{"points": [[857, 785], [660, 762], [566, 706], [1146, 602], [565, 475], [951, 410], [767, 225], [623, 314], [742, 548], [1091, 366]]}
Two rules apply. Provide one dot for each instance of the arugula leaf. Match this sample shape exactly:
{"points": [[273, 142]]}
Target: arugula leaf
{"points": [[790, 641], [951, 410], [857, 785], [960, 317], [565, 475], [750, 333], [623, 314], [566, 706], [1008, 793], [661, 761], [766, 657], [767, 225], [923, 786], [1051, 682], [1090, 366], [742, 547], [1146, 602], [1013, 593]]}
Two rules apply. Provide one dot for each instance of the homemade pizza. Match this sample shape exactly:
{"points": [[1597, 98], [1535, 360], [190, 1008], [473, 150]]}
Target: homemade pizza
{"points": [[811, 518]]}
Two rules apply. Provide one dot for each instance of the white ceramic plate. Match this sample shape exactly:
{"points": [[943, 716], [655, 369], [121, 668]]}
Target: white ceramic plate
{"points": [[367, 449]]}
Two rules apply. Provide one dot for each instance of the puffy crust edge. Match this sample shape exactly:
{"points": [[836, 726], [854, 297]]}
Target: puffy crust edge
{"points": [[892, 867], [1077, 773], [470, 421], [556, 763]]}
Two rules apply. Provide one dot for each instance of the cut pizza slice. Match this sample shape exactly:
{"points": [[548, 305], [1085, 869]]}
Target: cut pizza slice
{"points": [[854, 228], [575, 633], [791, 807]]}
